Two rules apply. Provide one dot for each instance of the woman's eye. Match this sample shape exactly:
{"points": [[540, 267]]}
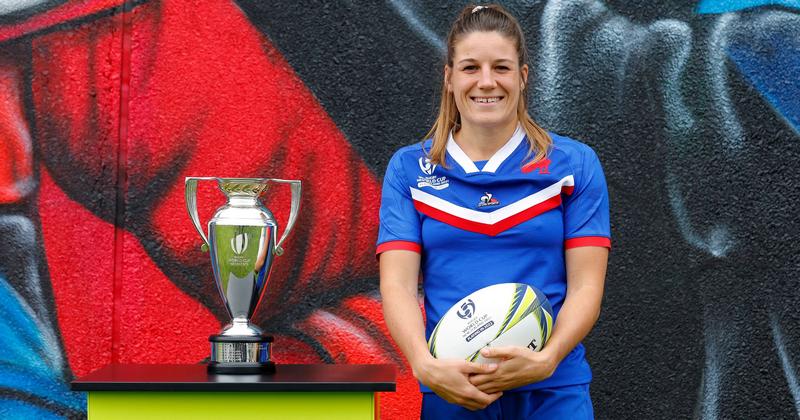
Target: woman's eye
{"points": [[503, 68], [470, 68]]}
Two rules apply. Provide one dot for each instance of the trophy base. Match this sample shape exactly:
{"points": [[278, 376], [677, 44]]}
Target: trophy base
{"points": [[241, 368], [241, 355]]}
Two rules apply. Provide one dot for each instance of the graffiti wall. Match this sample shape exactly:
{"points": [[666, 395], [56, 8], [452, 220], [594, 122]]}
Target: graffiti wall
{"points": [[106, 105]]}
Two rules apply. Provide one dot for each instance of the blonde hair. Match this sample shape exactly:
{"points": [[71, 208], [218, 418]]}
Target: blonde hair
{"points": [[490, 18]]}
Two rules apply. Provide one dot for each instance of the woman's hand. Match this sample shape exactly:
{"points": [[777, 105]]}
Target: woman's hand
{"points": [[518, 366], [449, 379]]}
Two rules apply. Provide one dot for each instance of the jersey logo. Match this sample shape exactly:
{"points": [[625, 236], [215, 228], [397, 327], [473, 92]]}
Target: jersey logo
{"points": [[430, 180], [488, 200], [426, 166], [543, 166]]}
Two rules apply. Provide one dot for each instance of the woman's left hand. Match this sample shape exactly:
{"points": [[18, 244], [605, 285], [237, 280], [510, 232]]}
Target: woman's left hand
{"points": [[518, 366]]}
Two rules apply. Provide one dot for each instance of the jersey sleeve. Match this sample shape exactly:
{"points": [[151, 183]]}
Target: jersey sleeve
{"points": [[586, 219], [399, 220]]}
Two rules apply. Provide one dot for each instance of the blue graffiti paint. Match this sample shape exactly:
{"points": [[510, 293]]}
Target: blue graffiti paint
{"points": [[725, 6], [26, 365], [771, 63], [414, 22], [718, 241], [718, 75], [15, 409], [786, 364], [707, 407]]}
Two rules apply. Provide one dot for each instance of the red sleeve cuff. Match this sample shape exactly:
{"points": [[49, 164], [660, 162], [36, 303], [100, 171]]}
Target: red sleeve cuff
{"points": [[401, 245], [601, 241]]}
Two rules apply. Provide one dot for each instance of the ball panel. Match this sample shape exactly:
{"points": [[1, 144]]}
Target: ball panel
{"points": [[504, 314], [432, 341], [546, 320], [527, 330], [523, 302], [472, 322]]}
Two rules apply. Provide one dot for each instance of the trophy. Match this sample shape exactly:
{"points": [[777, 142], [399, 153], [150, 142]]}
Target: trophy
{"points": [[242, 238]]}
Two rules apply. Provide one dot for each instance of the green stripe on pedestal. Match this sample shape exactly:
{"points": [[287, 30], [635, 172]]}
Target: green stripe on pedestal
{"points": [[231, 405]]}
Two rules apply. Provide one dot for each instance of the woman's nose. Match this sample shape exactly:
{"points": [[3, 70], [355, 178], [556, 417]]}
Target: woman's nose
{"points": [[486, 80]]}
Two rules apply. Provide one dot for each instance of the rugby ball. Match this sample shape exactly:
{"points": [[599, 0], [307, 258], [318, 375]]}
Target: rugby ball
{"points": [[504, 314]]}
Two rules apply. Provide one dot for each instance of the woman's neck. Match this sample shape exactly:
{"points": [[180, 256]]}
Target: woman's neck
{"points": [[481, 143]]}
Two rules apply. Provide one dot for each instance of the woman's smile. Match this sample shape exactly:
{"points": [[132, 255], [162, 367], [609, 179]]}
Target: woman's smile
{"points": [[486, 100], [486, 80]]}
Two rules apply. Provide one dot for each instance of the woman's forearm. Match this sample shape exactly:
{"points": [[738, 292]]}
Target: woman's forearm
{"points": [[405, 323], [401, 310], [586, 271], [577, 317]]}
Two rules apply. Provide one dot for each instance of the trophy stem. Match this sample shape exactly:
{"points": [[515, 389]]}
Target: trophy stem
{"points": [[241, 326]]}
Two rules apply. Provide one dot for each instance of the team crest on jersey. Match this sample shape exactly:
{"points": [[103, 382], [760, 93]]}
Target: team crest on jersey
{"points": [[488, 200], [429, 179]]}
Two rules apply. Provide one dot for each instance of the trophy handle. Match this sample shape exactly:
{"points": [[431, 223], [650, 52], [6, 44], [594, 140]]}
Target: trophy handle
{"points": [[296, 190], [191, 206]]}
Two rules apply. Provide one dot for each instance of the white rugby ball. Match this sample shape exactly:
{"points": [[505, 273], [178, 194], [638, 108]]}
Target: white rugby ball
{"points": [[504, 314]]}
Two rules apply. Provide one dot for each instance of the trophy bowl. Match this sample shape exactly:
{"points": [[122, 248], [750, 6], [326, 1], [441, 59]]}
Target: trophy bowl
{"points": [[242, 241]]}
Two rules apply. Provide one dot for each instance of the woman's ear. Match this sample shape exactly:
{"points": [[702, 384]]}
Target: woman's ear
{"points": [[524, 74], [447, 85]]}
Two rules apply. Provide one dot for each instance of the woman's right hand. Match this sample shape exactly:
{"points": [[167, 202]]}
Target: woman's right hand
{"points": [[401, 308], [449, 379]]}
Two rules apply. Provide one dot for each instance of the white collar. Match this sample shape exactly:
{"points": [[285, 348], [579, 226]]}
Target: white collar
{"points": [[494, 162]]}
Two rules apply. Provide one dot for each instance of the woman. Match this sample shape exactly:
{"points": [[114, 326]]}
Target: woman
{"points": [[493, 198]]}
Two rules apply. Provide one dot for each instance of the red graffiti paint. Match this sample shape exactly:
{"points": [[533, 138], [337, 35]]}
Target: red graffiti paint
{"points": [[16, 165], [66, 12], [208, 95]]}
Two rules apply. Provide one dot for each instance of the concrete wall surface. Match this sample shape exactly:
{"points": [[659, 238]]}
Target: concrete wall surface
{"points": [[106, 105]]}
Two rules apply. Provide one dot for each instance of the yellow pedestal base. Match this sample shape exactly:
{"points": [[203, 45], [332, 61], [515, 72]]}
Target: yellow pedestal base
{"points": [[103, 405]]}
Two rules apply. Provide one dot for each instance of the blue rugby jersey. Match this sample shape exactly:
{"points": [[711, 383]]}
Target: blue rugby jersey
{"points": [[506, 220]]}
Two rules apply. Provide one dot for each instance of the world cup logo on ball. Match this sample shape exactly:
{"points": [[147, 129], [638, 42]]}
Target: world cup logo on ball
{"points": [[242, 240]]}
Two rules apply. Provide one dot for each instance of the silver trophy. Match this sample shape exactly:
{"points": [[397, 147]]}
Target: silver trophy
{"points": [[242, 238]]}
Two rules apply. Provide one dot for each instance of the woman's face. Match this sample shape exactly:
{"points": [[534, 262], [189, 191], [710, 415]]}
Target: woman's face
{"points": [[486, 80]]}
